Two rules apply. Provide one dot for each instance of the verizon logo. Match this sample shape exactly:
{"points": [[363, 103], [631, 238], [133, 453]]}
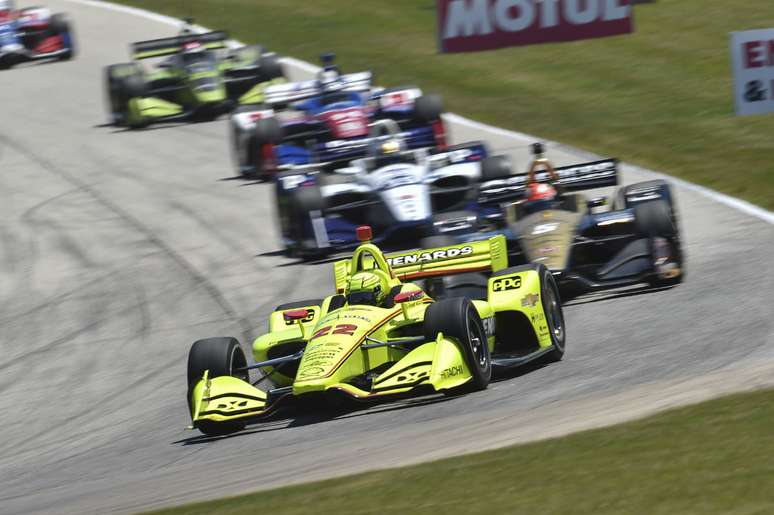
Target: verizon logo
{"points": [[472, 25]]}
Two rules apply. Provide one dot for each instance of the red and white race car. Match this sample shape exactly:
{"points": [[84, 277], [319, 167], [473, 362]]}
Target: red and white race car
{"points": [[328, 121], [33, 33]]}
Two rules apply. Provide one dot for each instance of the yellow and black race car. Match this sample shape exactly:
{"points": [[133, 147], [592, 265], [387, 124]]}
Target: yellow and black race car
{"points": [[379, 335]]}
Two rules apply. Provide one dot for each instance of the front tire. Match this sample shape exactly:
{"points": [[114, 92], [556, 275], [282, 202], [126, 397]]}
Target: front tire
{"points": [[552, 306], [122, 83], [222, 357], [458, 318], [60, 26]]}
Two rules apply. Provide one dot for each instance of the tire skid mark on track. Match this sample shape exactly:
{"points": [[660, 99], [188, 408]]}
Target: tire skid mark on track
{"points": [[213, 291]]}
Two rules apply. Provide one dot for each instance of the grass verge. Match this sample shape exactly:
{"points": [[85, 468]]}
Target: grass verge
{"points": [[659, 98], [714, 457]]}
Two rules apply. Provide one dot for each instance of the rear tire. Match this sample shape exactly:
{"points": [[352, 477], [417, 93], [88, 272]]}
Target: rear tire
{"points": [[294, 208], [495, 168], [221, 356], [458, 318], [271, 67], [428, 108], [267, 132]]}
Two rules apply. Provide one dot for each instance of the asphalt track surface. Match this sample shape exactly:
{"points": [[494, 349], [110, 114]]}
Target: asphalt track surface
{"points": [[118, 249]]}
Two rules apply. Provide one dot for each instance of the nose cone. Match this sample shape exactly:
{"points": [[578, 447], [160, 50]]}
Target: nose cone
{"points": [[333, 349], [408, 203]]}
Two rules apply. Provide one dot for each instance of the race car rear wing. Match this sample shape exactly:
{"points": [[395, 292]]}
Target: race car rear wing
{"points": [[584, 176], [296, 91], [170, 46], [477, 256]]}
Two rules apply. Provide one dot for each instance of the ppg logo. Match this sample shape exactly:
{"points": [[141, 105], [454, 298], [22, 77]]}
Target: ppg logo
{"points": [[507, 283]]}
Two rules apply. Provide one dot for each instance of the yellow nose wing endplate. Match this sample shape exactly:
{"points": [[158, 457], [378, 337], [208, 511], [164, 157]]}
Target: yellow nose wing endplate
{"points": [[225, 398]]}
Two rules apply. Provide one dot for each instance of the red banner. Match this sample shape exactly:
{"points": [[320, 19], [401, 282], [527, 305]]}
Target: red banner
{"points": [[474, 25]]}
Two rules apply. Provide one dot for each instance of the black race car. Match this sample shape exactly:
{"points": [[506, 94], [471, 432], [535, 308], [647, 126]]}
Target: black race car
{"points": [[587, 243]]}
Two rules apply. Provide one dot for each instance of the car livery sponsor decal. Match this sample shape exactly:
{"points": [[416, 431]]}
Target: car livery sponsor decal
{"points": [[507, 283], [489, 325], [530, 300], [545, 228], [424, 257], [451, 371]]}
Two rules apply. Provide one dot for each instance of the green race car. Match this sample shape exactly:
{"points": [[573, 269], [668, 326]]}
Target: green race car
{"points": [[380, 335], [200, 79]]}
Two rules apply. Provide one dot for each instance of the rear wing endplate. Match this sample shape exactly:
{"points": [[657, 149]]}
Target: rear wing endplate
{"points": [[488, 255], [170, 46]]}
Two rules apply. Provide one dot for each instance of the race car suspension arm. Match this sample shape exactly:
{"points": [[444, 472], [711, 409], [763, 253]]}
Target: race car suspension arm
{"points": [[275, 361], [394, 343]]}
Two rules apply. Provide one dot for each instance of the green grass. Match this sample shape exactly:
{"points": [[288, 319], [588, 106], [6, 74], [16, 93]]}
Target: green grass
{"points": [[660, 98], [715, 457]]}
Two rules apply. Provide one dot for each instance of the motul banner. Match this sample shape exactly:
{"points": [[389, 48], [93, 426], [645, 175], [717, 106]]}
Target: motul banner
{"points": [[474, 25]]}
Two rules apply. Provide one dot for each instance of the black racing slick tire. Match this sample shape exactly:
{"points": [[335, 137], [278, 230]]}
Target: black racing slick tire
{"points": [[655, 219], [271, 67], [552, 306], [267, 131], [428, 108], [458, 319], [495, 168], [122, 83], [294, 209], [60, 26], [222, 357]]}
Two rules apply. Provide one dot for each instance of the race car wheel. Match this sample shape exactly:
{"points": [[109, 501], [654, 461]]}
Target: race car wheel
{"points": [[271, 67], [294, 210], [60, 26], [458, 318], [654, 218], [428, 108], [123, 82], [222, 357], [267, 133], [656, 221], [552, 306], [495, 168]]}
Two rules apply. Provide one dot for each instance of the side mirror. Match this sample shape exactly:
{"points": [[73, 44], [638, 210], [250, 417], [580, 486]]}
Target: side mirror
{"points": [[295, 314], [408, 296]]}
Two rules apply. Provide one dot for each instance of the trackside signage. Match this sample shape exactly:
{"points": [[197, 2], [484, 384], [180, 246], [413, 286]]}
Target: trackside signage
{"points": [[752, 58], [474, 25]]}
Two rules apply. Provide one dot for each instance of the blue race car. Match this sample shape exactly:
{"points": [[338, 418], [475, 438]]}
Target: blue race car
{"points": [[33, 33], [327, 121]]}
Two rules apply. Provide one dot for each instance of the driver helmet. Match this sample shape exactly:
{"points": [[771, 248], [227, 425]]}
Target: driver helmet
{"points": [[367, 287], [540, 191], [386, 151]]}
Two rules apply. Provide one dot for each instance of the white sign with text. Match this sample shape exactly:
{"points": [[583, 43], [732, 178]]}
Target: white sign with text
{"points": [[752, 59]]}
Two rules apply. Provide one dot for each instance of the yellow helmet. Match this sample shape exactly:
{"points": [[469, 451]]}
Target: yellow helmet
{"points": [[368, 287]]}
